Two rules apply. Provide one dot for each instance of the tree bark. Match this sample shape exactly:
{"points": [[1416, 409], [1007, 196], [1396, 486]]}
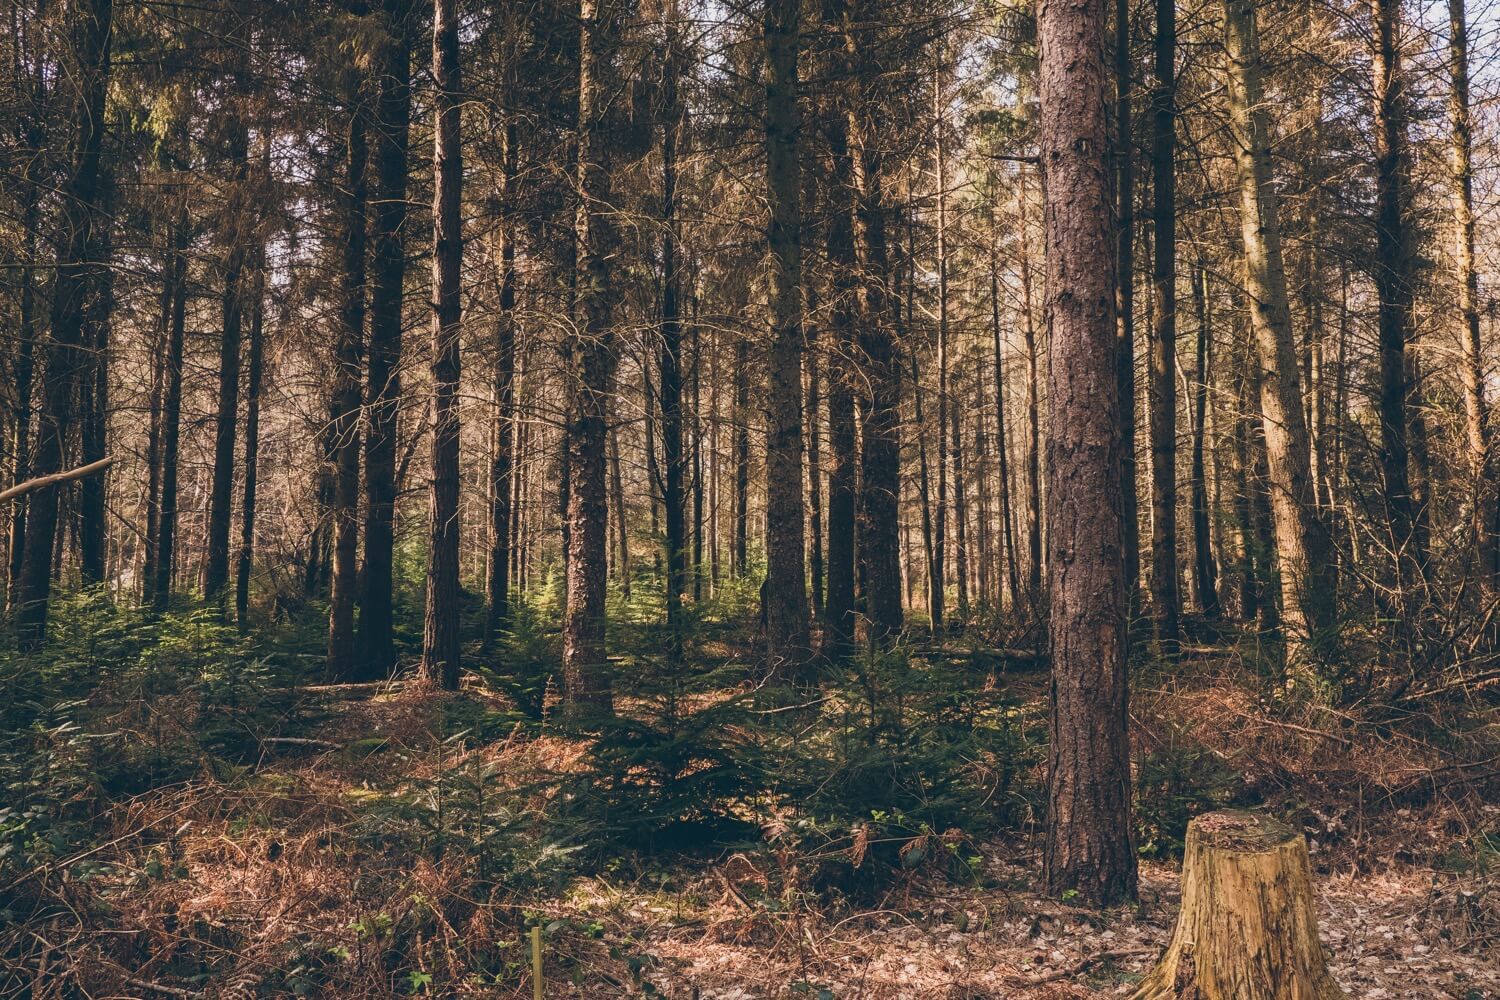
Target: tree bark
{"points": [[669, 364], [1124, 138], [1166, 597], [377, 652], [1205, 573], [585, 668], [1248, 929], [344, 409], [1302, 549], [1089, 848], [93, 398], [226, 416], [880, 453], [171, 416], [1476, 406], [440, 636], [786, 563], [503, 429], [843, 447], [1002, 439], [253, 379], [76, 274]]}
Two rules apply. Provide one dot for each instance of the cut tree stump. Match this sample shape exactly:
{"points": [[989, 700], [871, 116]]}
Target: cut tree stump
{"points": [[1248, 929]]}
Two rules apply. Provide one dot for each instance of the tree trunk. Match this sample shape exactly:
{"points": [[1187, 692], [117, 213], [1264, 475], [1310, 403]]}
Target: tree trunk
{"points": [[1302, 548], [440, 637], [669, 364], [253, 378], [1002, 439], [1393, 285], [93, 399], [1089, 847], [786, 565], [377, 652], [76, 275], [585, 668], [880, 454], [1033, 426], [1476, 407], [1124, 138], [1248, 929], [739, 552], [503, 430], [348, 353], [171, 416], [236, 239], [1205, 574], [1165, 592], [621, 510]]}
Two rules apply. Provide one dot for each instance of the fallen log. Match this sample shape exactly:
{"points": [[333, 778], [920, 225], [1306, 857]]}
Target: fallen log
{"points": [[52, 479], [1247, 929]]}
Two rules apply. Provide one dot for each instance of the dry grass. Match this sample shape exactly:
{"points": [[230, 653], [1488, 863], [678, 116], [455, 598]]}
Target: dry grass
{"points": [[227, 888]]}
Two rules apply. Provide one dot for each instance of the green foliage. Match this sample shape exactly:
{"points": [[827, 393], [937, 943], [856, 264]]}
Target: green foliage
{"points": [[1175, 781], [525, 659], [919, 756], [678, 769], [121, 701]]}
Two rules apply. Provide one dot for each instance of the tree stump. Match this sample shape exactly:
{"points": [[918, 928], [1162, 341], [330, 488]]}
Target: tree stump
{"points": [[1247, 929]]}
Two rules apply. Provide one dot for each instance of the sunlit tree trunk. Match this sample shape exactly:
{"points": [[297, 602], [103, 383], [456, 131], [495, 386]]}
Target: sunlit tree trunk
{"points": [[1302, 550], [1476, 406], [1089, 846]]}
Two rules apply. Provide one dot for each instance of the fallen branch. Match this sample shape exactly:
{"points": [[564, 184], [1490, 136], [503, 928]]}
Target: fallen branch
{"points": [[298, 741], [42, 482]]}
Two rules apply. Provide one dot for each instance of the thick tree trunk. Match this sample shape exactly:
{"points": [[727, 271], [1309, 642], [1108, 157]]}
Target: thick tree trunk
{"points": [[1166, 597], [1089, 847], [76, 275], [1124, 151], [585, 668], [1302, 548], [1248, 929], [440, 637], [377, 652], [786, 567], [344, 408]]}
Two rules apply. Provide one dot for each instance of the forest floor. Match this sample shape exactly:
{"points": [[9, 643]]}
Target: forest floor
{"points": [[271, 880]]}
